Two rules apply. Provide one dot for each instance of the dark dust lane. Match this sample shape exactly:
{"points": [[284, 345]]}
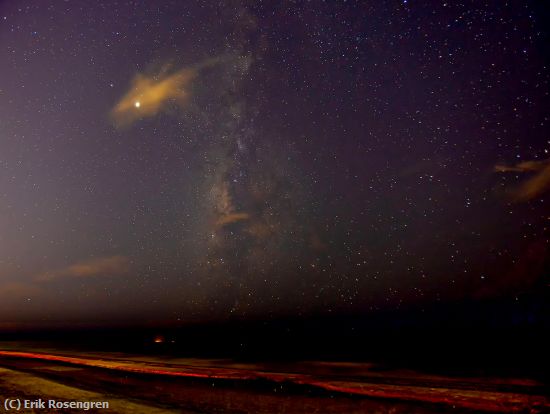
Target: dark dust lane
{"points": [[217, 388]]}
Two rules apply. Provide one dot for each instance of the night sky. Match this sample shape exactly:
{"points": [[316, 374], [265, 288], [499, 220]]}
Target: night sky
{"points": [[190, 161]]}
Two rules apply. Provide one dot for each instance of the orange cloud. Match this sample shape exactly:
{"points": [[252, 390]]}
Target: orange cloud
{"points": [[232, 218], [533, 187], [109, 266], [17, 290], [148, 96]]}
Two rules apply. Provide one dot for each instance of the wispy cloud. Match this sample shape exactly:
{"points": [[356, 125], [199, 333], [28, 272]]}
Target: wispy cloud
{"points": [[533, 187], [232, 218], [17, 290], [102, 266], [148, 95]]}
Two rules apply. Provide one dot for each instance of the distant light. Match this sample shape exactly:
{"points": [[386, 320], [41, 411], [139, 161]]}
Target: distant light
{"points": [[159, 339], [137, 104]]}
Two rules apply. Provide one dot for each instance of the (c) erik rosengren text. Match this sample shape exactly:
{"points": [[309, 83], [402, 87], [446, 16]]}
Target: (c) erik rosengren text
{"points": [[16, 404]]}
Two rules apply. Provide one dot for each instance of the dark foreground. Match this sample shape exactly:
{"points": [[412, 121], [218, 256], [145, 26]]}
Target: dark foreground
{"points": [[147, 384]]}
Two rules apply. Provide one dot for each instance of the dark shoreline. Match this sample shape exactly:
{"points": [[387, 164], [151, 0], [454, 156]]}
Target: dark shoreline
{"points": [[155, 381], [448, 350]]}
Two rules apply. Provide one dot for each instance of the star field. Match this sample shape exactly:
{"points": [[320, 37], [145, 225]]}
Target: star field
{"points": [[198, 161]]}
